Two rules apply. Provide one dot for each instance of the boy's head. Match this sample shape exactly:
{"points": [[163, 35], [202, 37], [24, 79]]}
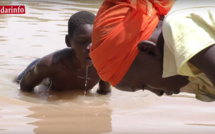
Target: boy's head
{"points": [[78, 19], [79, 36]]}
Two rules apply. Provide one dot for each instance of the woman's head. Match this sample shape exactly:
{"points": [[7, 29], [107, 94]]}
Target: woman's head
{"points": [[118, 28], [127, 46]]}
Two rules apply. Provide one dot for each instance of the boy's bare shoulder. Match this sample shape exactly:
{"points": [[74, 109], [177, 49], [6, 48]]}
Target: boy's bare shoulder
{"points": [[53, 60]]}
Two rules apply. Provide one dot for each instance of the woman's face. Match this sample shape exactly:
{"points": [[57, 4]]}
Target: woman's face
{"points": [[146, 73], [147, 69]]}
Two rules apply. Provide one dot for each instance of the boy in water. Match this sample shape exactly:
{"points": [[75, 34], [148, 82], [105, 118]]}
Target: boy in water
{"points": [[68, 68], [157, 55]]}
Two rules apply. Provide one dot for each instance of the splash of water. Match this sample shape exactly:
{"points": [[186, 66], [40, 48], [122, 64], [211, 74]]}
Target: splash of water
{"points": [[86, 81], [85, 85]]}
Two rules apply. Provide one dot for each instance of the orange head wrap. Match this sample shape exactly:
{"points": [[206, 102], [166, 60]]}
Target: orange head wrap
{"points": [[118, 28]]}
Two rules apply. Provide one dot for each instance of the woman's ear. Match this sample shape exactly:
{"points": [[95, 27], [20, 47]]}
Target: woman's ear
{"points": [[147, 47], [67, 40]]}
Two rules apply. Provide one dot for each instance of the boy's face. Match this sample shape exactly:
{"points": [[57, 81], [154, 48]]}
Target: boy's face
{"points": [[81, 42]]}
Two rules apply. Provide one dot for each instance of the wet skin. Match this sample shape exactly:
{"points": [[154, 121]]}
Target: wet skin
{"points": [[67, 68], [146, 70]]}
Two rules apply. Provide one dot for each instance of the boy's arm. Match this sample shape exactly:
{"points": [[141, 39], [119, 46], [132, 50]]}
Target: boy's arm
{"points": [[35, 75], [205, 61], [104, 87]]}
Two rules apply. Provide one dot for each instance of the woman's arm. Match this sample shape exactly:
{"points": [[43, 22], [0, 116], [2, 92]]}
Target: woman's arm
{"points": [[205, 61]]}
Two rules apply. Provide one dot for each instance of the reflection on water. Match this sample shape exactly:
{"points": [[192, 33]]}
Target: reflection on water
{"points": [[13, 116], [42, 30], [72, 119]]}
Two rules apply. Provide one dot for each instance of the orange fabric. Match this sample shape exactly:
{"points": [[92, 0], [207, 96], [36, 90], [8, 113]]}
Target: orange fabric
{"points": [[118, 28]]}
